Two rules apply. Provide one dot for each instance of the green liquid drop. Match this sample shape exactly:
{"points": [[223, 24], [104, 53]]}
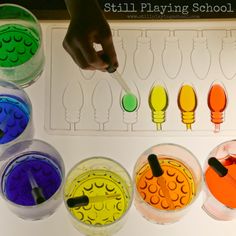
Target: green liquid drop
{"points": [[129, 102], [17, 44]]}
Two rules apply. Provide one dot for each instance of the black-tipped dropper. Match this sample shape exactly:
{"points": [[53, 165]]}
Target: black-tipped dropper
{"points": [[158, 173], [36, 191], [217, 166], [115, 74], [77, 201], [84, 200], [155, 165], [221, 170]]}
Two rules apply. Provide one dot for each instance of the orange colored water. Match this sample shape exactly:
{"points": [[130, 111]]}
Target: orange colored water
{"points": [[222, 189], [217, 98], [217, 101], [179, 182]]}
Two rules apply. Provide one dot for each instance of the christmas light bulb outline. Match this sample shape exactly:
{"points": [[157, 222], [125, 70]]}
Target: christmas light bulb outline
{"points": [[102, 101], [73, 102], [166, 58], [142, 40], [228, 46], [200, 70], [119, 46]]}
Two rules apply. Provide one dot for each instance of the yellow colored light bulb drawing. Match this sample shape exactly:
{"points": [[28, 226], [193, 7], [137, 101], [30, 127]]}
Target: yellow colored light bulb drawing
{"points": [[187, 103], [158, 102]]}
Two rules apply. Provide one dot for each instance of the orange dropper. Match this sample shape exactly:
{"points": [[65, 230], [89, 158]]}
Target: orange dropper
{"points": [[220, 169], [217, 101], [158, 173]]}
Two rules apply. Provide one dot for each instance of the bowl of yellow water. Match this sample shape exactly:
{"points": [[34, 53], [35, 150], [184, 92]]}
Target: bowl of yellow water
{"points": [[98, 194], [21, 48]]}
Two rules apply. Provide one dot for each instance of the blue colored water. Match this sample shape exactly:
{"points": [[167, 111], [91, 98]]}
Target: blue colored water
{"points": [[16, 185], [14, 117]]}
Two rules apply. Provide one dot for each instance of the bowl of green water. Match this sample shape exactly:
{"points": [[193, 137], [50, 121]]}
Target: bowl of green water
{"points": [[21, 49]]}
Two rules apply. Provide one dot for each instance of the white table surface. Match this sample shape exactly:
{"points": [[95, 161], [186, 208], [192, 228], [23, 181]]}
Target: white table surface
{"points": [[125, 150]]}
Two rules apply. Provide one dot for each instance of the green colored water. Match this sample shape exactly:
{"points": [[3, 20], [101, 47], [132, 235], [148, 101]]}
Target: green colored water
{"points": [[129, 102], [17, 44]]}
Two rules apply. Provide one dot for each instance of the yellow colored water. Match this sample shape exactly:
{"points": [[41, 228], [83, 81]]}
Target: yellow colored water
{"points": [[98, 183], [158, 102], [158, 99]]}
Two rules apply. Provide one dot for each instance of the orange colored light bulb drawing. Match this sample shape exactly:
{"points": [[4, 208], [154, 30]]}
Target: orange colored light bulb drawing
{"points": [[217, 102], [187, 103]]}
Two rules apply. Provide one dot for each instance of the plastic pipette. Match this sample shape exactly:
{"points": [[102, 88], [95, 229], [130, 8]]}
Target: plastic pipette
{"points": [[158, 173], [116, 75], [84, 200], [36, 190], [221, 170]]}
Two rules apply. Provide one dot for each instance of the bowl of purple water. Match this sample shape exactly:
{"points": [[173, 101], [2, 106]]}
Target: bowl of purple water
{"points": [[31, 178]]}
